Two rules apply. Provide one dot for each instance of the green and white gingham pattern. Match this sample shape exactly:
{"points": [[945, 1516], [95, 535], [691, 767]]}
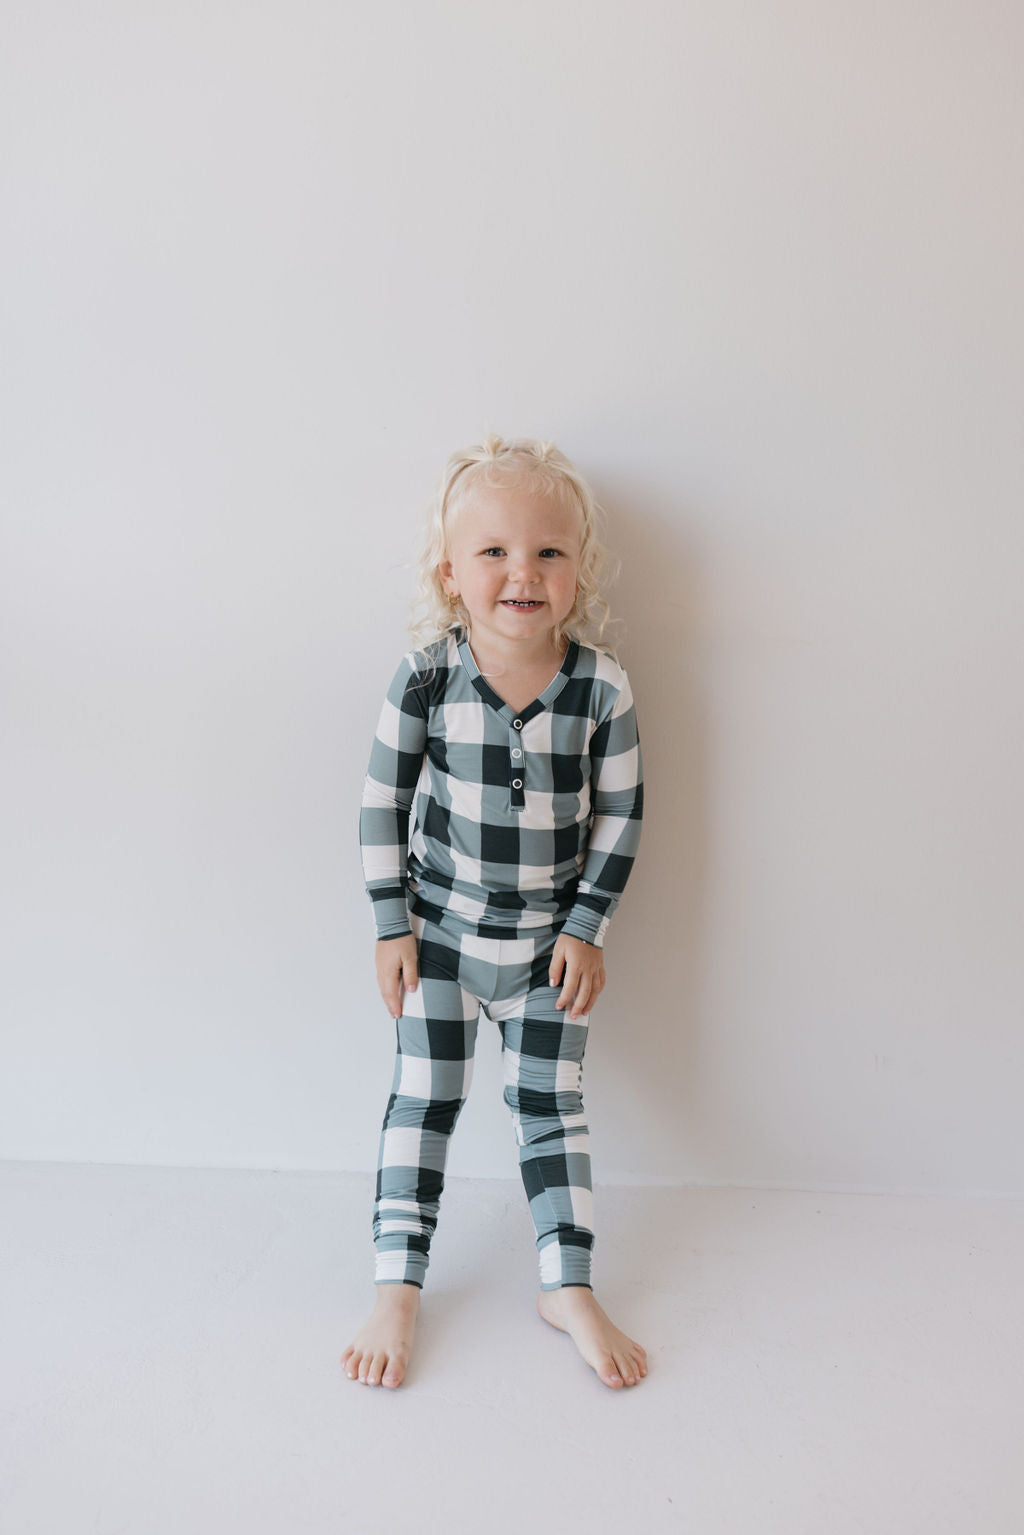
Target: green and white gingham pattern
{"points": [[542, 1053], [519, 821]]}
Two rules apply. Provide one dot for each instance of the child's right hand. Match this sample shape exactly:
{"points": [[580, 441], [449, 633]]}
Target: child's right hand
{"points": [[397, 968]]}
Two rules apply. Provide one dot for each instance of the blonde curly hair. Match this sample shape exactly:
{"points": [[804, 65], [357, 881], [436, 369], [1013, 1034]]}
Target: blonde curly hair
{"points": [[521, 463]]}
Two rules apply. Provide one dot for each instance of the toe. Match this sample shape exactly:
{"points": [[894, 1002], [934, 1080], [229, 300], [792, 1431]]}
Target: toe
{"points": [[376, 1369], [352, 1364], [624, 1365], [395, 1373], [609, 1372]]}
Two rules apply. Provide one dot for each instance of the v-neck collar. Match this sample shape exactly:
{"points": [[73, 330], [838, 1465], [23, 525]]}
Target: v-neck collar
{"points": [[498, 704]]}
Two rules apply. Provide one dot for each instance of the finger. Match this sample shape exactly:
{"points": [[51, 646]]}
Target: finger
{"points": [[410, 975], [593, 987], [394, 992], [569, 989], [557, 966], [582, 1000]]}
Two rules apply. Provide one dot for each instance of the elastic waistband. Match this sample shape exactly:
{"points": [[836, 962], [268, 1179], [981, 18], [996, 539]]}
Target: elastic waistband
{"points": [[457, 926]]}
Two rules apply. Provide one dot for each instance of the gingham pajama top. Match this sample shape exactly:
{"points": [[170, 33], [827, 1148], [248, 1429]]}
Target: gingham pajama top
{"points": [[520, 821]]}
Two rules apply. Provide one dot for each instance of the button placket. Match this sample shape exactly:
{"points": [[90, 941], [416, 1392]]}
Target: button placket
{"points": [[517, 765]]}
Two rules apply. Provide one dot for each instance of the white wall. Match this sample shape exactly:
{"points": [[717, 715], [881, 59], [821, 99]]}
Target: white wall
{"points": [[757, 269]]}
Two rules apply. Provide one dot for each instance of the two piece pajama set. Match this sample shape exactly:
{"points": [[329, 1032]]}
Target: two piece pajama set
{"points": [[523, 826]]}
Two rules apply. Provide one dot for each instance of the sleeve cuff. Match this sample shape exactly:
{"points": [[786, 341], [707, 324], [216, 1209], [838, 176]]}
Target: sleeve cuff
{"points": [[391, 917], [589, 925]]}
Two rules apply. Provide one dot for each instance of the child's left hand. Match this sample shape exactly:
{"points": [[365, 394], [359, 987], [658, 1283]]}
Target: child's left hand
{"points": [[584, 973]]}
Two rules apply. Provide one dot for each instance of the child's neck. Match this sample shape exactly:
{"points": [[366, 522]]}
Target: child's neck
{"points": [[518, 658]]}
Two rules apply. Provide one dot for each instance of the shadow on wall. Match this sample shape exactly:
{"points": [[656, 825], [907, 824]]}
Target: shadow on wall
{"points": [[657, 937]]}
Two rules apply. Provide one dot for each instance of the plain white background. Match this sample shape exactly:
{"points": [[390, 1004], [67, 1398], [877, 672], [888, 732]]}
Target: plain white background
{"points": [[756, 269]]}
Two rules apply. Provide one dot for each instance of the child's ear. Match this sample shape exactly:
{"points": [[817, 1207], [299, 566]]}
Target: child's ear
{"points": [[444, 570]]}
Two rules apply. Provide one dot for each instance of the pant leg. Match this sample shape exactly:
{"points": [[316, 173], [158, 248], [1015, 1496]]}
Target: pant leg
{"points": [[542, 1054], [436, 1038]]}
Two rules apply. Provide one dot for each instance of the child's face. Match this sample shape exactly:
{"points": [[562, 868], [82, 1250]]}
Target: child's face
{"points": [[508, 544]]}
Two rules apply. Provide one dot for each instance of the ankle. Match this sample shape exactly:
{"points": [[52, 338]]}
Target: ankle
{"points": [[398, 1294]]}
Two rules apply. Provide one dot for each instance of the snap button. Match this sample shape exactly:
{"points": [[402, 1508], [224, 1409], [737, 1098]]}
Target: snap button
{"points": [[517, 724], [516, 752], [517, 783]]}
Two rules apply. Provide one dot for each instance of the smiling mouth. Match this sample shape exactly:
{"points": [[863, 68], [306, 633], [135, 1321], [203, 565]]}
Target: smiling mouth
{"points": [[511, 602]]}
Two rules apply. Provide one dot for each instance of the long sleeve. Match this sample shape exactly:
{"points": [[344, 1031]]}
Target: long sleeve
{"points": [[395, 761], [617, 803]]}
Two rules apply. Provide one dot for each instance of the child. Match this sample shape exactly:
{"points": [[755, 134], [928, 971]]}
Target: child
{"points": [[515, 742]]}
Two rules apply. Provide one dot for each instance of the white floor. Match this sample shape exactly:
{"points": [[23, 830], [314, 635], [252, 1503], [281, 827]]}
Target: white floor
{"points": [[818, 1363]]}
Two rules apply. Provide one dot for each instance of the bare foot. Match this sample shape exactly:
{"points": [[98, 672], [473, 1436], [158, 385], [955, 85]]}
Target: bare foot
{"points": [[380, 1353], [617, 1360]]}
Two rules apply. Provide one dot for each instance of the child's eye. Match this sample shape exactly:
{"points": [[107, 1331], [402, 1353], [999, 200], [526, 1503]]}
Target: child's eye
{"points": [[497, 549]]}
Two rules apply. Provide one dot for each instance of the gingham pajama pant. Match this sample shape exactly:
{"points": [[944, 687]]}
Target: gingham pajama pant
{"points": [[542, 1053]]}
